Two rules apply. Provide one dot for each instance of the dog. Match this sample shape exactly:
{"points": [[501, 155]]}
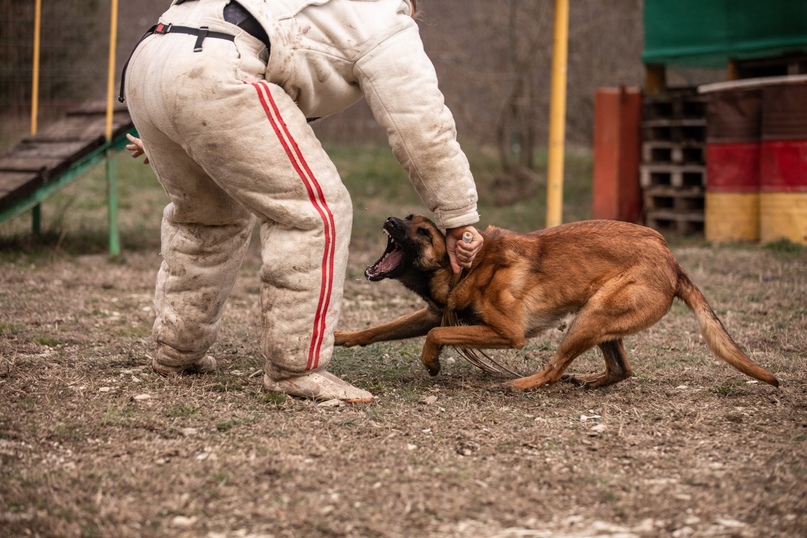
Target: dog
{"points": [[612, 278]]}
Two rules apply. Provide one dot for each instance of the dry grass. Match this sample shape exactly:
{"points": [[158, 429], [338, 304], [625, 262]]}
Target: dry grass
{"points": [[93, 444]]}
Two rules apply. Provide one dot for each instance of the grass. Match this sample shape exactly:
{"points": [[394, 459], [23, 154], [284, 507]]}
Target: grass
{"points": [[688, 442]]}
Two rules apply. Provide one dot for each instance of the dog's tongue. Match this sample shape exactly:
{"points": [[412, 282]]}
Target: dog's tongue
{"points": [[383, 266]]}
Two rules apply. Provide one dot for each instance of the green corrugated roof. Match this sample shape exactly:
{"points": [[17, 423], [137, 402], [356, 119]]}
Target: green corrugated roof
{"points": [[707, 33]]}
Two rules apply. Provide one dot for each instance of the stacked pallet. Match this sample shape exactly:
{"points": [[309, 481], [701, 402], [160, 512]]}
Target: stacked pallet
{"points": [[673, 170]]}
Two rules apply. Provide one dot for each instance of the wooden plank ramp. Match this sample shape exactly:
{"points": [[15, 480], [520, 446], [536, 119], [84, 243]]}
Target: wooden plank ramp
{"points": [[41, 164]]}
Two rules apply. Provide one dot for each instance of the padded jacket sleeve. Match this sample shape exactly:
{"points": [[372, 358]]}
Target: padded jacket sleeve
{"points": [[400, 86]]}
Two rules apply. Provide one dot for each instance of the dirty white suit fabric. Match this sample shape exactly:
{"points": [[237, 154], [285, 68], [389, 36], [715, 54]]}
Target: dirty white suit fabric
{"points": [[226, 130]]}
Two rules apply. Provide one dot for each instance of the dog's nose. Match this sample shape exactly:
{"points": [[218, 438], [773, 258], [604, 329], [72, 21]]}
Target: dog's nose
{"points": [[393, 223]]}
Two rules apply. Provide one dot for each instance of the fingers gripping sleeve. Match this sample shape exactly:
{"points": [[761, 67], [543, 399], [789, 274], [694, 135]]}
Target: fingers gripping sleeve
{"points": [[400, 85]]}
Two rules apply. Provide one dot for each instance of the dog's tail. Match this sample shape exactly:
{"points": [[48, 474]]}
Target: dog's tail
{"points": [[715, 334]]}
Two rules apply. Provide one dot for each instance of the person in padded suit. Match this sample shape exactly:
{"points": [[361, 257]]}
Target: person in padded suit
{"points": [[222, 95]]}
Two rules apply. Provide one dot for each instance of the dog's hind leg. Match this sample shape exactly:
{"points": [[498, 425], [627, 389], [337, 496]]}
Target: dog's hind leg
{"points": [[617, 367], [575, 343], [608, 315]]}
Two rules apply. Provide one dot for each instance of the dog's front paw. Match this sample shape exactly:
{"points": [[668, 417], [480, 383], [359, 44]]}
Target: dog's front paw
{"points": [[433, 368], [430, 357]]}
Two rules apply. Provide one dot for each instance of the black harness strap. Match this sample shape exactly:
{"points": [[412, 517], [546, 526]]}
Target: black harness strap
{"points": [[234, 13], [203, 31], [200, 33], [150, 31], [162, 29]]}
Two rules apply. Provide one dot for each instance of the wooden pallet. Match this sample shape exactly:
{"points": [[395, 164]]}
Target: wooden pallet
{"points": [[674, 222], [684, 176], [672, 199], [675, 104], [691, 130], [665, 152]]}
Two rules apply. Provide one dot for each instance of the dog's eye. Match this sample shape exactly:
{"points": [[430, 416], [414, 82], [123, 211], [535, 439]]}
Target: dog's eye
{"points": [[425, 232]]}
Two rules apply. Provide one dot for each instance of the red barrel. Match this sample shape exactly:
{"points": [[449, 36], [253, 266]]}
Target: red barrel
{"points": [[783, 163], [733, 128]]}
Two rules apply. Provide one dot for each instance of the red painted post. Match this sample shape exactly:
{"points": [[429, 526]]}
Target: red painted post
{"points": [[617, 194]]}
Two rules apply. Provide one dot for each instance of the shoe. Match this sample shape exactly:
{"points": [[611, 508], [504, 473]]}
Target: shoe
{"points": [[205, 365], [317, 386]]}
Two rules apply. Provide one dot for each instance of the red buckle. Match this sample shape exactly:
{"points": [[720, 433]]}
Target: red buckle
{"points": [[162, 29]]}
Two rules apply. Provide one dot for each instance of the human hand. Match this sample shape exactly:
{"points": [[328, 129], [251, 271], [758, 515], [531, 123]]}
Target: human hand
{"points": [[460, 252], [136, 147]]}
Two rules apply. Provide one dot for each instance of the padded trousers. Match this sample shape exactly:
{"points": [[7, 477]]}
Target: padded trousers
{"points": [[228, 148]]}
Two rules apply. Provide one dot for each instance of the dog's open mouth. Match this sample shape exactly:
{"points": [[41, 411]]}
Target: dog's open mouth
{"points": [[387, 263]]}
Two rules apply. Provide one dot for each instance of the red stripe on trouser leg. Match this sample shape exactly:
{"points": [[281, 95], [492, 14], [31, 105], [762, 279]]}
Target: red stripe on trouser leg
{"points": [[317, 198]]}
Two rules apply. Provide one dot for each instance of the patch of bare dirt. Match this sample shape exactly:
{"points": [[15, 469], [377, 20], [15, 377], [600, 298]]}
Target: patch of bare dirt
{"points": [[93, 444]]}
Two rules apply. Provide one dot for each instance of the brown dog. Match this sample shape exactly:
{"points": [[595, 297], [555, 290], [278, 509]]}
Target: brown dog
{"points": [[615, 278]]}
